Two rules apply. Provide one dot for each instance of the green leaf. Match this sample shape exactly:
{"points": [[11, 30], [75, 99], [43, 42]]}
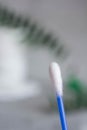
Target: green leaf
{"points": [[25, 23], [53, 43], [38, 36], [46, 39], [17, 22]]}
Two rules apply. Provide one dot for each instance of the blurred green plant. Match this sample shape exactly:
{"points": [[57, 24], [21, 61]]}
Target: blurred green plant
{"points": [[78, 95], [34, 35], [74, 84]]}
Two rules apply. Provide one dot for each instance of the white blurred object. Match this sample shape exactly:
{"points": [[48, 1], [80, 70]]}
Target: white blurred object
{"points": [[13, 67]]}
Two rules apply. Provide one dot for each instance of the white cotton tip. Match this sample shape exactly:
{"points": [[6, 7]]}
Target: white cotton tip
{"points": [[56, 78]]}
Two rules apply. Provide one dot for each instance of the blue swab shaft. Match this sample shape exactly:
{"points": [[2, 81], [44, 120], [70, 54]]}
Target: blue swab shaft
{"points": [[61, 112]]}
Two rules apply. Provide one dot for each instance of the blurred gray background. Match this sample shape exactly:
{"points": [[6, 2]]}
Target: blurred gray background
{"points": [[67, 20]]}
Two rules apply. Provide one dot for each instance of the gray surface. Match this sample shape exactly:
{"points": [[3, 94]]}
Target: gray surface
{"points": [[33, 114], [36, 114]]}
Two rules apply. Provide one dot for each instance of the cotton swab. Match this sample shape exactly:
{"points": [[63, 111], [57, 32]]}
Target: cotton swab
{"points": [[56, 78]]}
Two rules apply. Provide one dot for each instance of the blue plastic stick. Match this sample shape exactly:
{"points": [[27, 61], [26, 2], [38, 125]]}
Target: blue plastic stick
{"points": [[61, 112]]}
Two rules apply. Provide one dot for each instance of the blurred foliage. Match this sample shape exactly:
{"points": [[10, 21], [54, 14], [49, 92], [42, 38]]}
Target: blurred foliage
{"points": [[74, 84], [77, 89], [34, 35]]}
